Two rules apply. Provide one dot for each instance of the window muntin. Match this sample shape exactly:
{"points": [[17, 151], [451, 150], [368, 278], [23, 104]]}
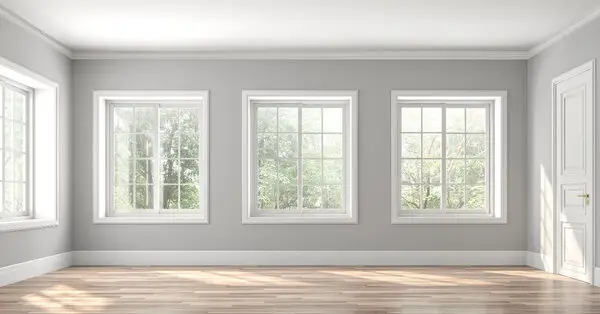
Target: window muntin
{"points": [[445, 157], [155, 154], [300, 158], [16, 151]]}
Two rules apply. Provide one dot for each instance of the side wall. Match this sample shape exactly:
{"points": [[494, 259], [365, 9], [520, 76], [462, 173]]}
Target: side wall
{"points": [[31, 52], [574, 50], [225, 80]]}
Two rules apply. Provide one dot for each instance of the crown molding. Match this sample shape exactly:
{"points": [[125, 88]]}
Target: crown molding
{"points": [[14, 18], [564, 33], [308, 55]]}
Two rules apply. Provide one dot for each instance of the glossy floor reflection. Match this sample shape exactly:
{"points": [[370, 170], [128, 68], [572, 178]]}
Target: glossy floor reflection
{"points": [[300, 290]]}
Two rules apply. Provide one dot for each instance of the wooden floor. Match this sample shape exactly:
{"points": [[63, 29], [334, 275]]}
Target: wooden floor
{"points": [[164, 290]]}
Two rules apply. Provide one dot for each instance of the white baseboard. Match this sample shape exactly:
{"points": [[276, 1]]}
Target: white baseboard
{"points": [[292, 258], [539, 261], [597, 276], [37, 267]]}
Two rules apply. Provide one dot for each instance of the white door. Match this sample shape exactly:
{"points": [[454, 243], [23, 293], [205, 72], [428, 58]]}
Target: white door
{"points": [[574, 105]]}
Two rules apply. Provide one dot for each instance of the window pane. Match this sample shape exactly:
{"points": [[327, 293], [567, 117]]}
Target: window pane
{"points": [[455, 171], [144, 119], [169, 145], [169, 120], [190, 145], [332, 196], [455, 145], [455, 119], [476, 120], [144, 145], [15, 166], [169, 171], [311, 196], [432, 145], [123, 171], [8, 104], [267, 195], [333, 171], [288, 119], [476, 197], [432, 171], [189, 120], [190, 197], [123, 197], [169, 197], [411, 197], [311, 146], [333, 120], [411, 120], [143, 170], [432, 119], [20, 137], [288, 172], [476, 145], [432, 197], [267, 172], [267, 145], [455, 197], [190, 171], [20, 107], [311, 120], [311, 171], [332, 145], [411, 145], [266, 119], [123, 120], [144, 197], [476, 171], [288, 145], [288, 197], [411, 171]]}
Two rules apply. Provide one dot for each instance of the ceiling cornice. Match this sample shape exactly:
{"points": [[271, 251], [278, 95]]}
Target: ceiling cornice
{"points": [[310, 55], [356, 54], [564, 33], [14, 18]]}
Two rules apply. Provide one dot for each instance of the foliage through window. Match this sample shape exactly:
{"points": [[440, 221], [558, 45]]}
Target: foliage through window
{"points": [[445, 157], [15, 183], [156, 164], [300, 149]]}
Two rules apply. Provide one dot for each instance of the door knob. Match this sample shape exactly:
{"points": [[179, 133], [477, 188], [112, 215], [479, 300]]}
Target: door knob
{"points": [[587, 198]]}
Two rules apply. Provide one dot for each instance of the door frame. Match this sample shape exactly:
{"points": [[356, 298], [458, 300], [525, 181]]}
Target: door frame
{"points": [[588, 66]]}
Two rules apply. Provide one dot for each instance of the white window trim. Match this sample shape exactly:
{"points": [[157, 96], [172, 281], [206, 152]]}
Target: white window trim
{"points": [[45, 179], [102, 99], [351, 155], [499, 140]]}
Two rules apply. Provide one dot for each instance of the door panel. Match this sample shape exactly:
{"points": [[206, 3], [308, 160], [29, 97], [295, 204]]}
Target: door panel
{"points": [[574, 101]]}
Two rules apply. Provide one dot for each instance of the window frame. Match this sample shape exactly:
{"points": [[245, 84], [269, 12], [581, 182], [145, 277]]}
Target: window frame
{"points": [[42, 148], [347, 100], [104, 101], [496, 169]]}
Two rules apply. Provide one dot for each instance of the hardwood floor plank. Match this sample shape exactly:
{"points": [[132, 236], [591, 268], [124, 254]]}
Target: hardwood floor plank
{"points": [[303, 290]]}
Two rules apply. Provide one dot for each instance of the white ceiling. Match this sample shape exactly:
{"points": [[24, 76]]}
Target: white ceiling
{"points": [[244, 25]]}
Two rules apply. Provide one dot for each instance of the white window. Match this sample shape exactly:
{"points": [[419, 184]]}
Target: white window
{"points": [[300, 157], [28, 146], [448, 157], [155, 156]]}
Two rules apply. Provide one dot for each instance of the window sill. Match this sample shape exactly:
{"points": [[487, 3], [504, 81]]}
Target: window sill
{"points": [[448, 220], [300, 220], [187, 220], [27, 224]]}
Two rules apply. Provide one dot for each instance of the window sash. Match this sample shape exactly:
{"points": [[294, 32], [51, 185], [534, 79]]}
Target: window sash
{"points": [[27, 212], [156, 159], [255, 211], [489, 162]]}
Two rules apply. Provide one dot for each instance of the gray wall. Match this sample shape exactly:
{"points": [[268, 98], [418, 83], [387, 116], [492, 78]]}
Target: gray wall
{"points": [[574, 50], [29, 51], [225, 80]]}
